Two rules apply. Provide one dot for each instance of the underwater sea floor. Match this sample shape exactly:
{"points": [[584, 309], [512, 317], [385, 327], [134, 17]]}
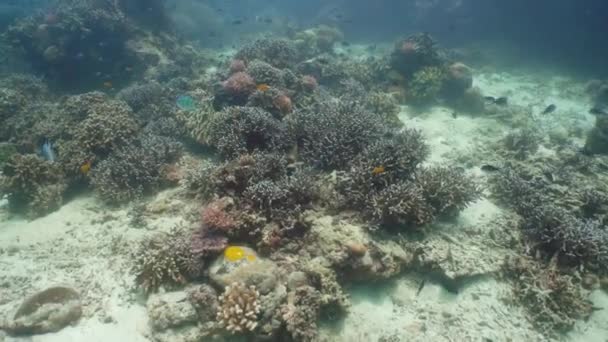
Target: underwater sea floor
{"points": [[88, 246]]}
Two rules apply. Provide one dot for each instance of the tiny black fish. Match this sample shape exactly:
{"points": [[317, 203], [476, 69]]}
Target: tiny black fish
{"points": [[489, 168], [598, 111], [550, 108], [454, 114], [237, 22], [501, 101]]}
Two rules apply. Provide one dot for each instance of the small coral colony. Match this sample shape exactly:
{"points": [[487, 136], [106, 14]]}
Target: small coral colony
{"points": [[265, 142]]}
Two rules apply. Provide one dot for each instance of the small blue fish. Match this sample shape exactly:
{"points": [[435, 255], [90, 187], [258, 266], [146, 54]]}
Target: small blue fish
{"points": [[46, 150]]}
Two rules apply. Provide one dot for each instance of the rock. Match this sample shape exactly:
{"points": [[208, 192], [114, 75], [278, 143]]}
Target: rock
{"points": [[171, 309], [47, 311], [261, 273]]}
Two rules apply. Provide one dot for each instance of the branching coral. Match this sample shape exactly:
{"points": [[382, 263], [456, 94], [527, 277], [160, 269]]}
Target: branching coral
{"points": [[447, 190], [239, 308], [522, 142], [400, 205], [165, 259], [553, 300], [301, 313], [33, 185], [131, 170], [279, 53], [108, 124], [571, 240], [238, 130], [333, 133]]}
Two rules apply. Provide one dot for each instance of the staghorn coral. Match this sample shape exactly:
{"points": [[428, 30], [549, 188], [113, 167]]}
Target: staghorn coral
{"points": [[400, 205], [33, 185], [165, 259], [133, 169], [332, 133], [553, 301], [238, 130], [279, 53], [383, 162], [282, 200], [239, 308], [447, 190], [571, 240]]}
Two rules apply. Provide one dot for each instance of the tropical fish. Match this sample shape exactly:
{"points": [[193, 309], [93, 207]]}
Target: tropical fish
{"points": [[46, 150], [550, 108], [501, 101], [378, 170], [598, 111], [85, 167], [489, 168], [262, 87], [185, 102], [107, 85]]}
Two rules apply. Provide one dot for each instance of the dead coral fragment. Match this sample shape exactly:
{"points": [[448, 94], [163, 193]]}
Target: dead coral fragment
{"points": [[239, 308], [552, 299]]}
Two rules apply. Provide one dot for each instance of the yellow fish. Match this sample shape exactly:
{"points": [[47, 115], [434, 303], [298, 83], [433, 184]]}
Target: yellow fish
{"points": [[85, 168], [107, 85], [378, 170], [262, 87]]}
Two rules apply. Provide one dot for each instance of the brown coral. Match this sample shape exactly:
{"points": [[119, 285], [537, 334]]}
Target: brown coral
{"points": [[239, 308]]}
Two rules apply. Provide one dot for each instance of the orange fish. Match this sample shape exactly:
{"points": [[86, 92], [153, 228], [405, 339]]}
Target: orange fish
{"points": [[378, 170], [85, 167], [262, 87], [107, 84]]}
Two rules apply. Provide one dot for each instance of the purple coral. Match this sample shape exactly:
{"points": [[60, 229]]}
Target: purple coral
{"points": [[239, 85], [205, 243]]}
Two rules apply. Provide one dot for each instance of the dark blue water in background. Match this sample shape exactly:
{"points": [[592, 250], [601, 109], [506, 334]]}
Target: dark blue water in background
{"points": [[570, 34]]}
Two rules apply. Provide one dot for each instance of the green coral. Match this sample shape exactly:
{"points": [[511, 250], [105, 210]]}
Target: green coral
{"points": [[425, 85]]}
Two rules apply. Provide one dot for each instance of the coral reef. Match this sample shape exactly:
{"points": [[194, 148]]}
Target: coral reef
{"points": [[553, 300], [34, 186], [301, 313], [279, 53], [239, 308], [133, 169], [425, 86], [238, 130], [317, 40], [415, 53], [165, 259], [78, 44], [331, 134]]}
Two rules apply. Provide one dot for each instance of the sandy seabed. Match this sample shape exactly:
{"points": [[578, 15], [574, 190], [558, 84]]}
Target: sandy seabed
{"points": [[87, 246]]}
